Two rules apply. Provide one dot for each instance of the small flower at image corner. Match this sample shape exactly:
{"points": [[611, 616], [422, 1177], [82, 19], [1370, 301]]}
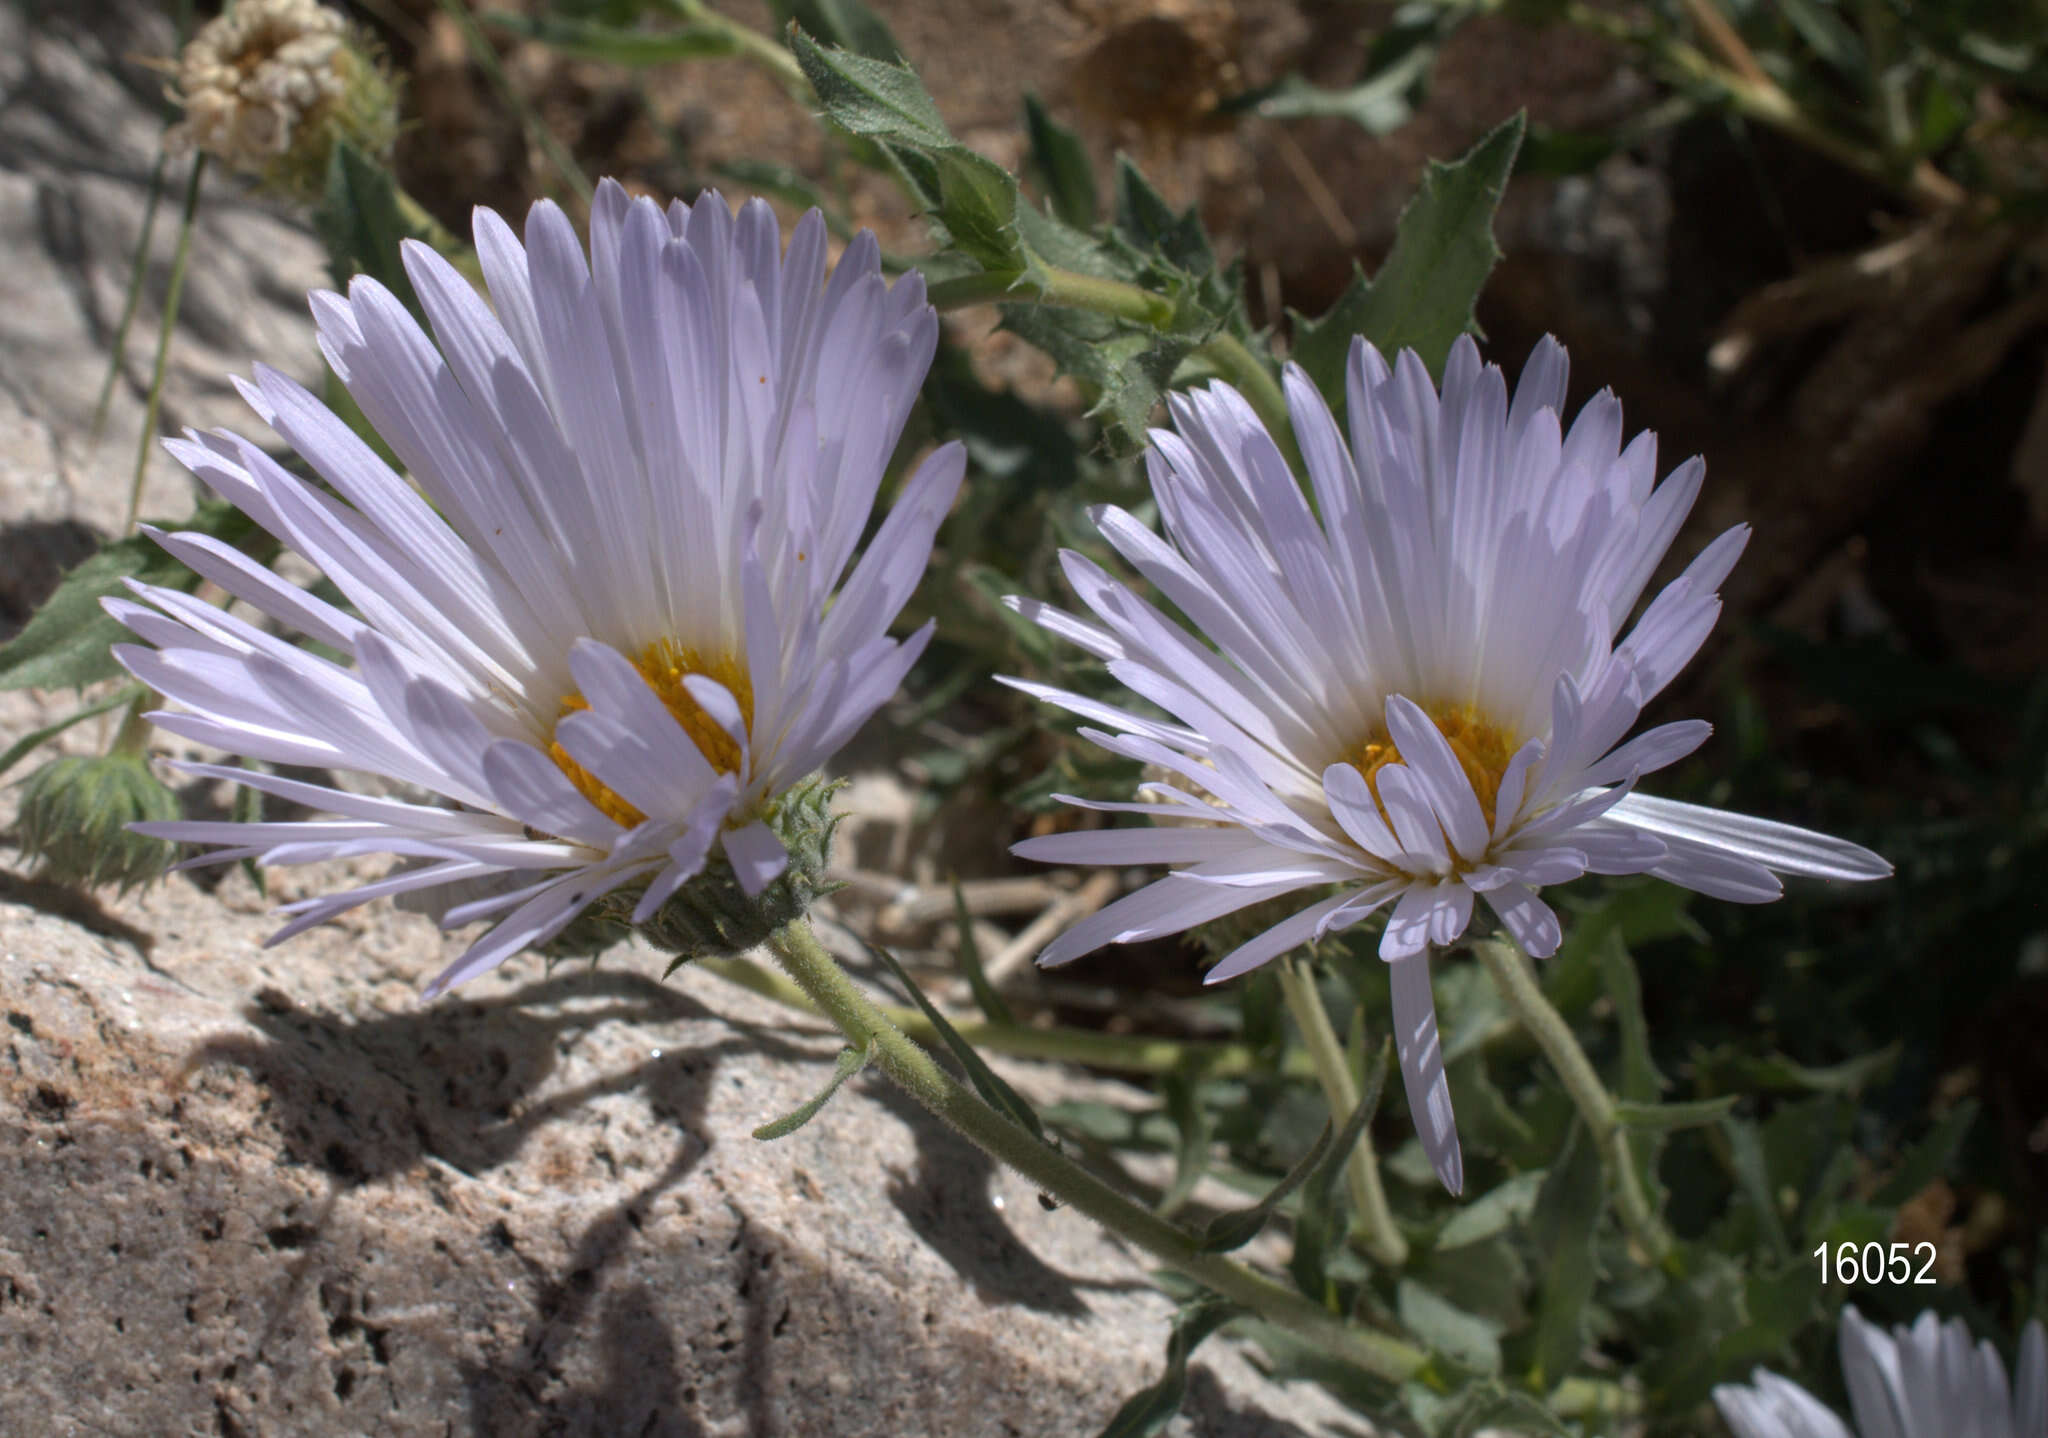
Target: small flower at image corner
{"points": [[1926, 1380], [609, 629], [1417, 691]]}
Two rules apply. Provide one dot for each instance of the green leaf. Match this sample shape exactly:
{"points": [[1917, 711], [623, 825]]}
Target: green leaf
{"points": [[1126, 369], [851, 1061], [1931, 1157], [30, 742], [1379, 104], [991, 1003], [65, 642], [1640, 1081], [247, 808], [1562, 1227], [846, 23], [1781, 1074], [1670, 1117], [1468, 1340], [1149, 225], [1190, 1118], [972, 199], [1233, 1230], [1779, 1304], [994, 1092], [1423, 295], [873, 98], [1829, 37], [1147, 1413], [590, 39], [362, 224], [1323, 1223], [1493, 1213], [1753, 1182], [1061, 162]]}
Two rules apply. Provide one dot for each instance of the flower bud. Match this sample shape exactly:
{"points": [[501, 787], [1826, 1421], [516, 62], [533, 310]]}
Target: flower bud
{"points": [[269, 86], [713, 917], [74, 820]]}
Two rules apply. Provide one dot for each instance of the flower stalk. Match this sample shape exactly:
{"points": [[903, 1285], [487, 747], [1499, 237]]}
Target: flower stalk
{"points": [[1510, 974], [1120, 1053], [819, 975], [1383, 1240]]}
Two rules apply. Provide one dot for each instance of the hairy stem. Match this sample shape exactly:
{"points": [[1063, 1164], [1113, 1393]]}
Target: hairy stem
{"points": [[820, 977], [1121, 1053], [1510, 974], [1383, 1239], [174, 294]]}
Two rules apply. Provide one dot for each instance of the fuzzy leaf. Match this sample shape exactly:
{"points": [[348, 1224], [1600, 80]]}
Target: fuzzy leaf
{"points": [[35, 739], [1670, 1117], [1423, 295], [1061, 161], [1640, 1081], [971, 198], [851, 1061], [990, 1085], [1323, 1222], [985, 996], [1147, 1413], [1149, 225], [1492, 1213], [846, 23], [1562, 1227], [1125, 368], [360, 221], [1468, 1340], [65, 642]]}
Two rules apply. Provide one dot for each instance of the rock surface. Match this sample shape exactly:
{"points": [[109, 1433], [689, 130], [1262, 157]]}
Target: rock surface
{"points": [[250, 1192], [267, 1192]]}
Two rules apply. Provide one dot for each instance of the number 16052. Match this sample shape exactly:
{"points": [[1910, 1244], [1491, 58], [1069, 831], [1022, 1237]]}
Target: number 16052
{"points": [[1875, 1263]]}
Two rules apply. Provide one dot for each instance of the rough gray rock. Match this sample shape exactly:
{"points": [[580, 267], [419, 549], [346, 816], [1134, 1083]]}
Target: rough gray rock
{"points": [[266, 1192]]}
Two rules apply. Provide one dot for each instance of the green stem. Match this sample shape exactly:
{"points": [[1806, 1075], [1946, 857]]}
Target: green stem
{"points": [[1048, 285], [1510, 974], [820, 977], [132, 738], [744, 39], [1120, 1053], [174, 295], [1766, 102], [1225, 354], [133, 301], [1333, 1070]]}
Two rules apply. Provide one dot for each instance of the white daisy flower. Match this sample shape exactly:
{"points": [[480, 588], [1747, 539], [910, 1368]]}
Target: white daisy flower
{"points": [[1926, 1381], [608, 629], [1412, 691]]}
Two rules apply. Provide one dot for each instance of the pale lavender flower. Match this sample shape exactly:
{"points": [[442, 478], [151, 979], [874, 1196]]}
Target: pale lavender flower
{"points": [[1926, 1381], [1412, 691], [609, 627]]}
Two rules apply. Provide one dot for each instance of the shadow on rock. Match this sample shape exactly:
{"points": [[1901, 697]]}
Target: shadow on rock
{"points": [[77, 905], [366, 1098], [1211, 1414], [948, 1202], [33, 557], [362, 1098]]}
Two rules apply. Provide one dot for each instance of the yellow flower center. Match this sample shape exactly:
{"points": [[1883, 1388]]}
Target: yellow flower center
{"points": [[1483, 749], [665, 664]]}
